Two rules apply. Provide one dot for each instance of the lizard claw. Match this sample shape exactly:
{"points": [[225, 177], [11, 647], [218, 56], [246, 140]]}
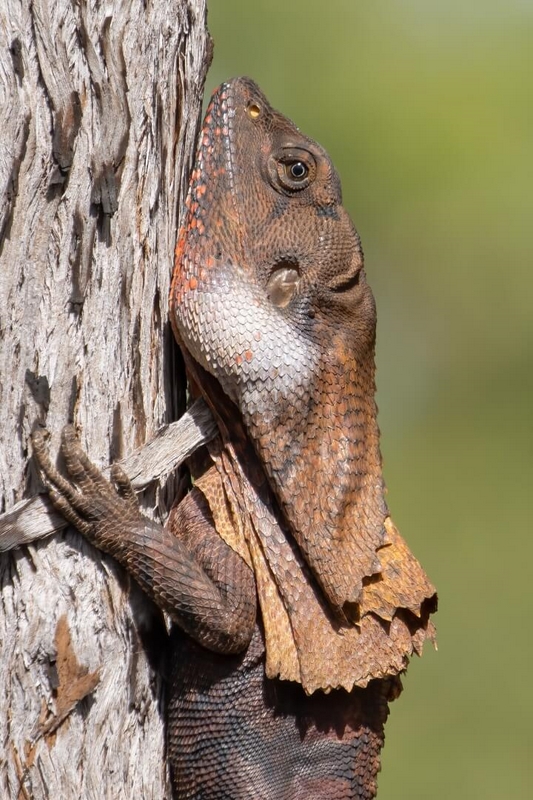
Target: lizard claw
{"points": [[96, 507], [51, 476], [123, 485], [61, 492]]}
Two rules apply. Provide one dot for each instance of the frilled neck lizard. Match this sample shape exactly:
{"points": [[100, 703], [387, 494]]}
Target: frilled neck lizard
{"points": [[286, 698]]}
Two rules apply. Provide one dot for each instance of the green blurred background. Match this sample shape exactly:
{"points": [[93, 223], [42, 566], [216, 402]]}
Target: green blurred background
{"points": [[426, 109]]}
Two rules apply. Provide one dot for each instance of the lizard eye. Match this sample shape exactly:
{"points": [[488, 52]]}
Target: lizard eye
{"points": [[292, 170], [298, 170]]}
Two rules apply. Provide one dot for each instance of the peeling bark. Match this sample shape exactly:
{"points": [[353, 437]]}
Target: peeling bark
{"points": [[99, 108]]}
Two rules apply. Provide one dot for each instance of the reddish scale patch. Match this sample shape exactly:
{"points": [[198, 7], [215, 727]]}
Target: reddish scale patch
{"points": [[196, 233], [180, 245]]}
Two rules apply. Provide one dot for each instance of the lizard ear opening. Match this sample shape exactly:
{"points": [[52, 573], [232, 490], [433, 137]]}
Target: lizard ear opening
{"points": [[253, 110], [283, 283]]}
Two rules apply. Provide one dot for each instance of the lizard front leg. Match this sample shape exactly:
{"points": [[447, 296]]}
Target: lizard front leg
{"points": [[205, 587]]}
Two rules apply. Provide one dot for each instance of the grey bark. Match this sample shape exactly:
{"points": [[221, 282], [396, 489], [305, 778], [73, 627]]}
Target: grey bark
{"points": [[99, 107]]}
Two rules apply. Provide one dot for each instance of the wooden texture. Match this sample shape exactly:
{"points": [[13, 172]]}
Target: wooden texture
{"points": [[99, 107]]}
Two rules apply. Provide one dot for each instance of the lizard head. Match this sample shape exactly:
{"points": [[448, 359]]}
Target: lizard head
{"points": [[270, 297]]}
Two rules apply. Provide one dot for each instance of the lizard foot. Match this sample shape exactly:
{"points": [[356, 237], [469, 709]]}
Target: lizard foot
{"points": [[94, 505]]}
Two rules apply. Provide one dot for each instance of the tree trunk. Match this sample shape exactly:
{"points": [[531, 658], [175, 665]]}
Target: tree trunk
{"points": [[99, 107]]}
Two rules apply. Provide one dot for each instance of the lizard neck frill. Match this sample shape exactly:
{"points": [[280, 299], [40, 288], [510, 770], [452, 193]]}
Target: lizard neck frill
{"points": [[311, 415], [321, 453]]}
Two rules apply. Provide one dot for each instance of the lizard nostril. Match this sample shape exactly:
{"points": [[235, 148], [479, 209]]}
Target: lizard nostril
{"points": [[283, 283]]}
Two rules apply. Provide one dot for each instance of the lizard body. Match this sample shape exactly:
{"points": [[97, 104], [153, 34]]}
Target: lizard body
{"points": [[295, 601]]}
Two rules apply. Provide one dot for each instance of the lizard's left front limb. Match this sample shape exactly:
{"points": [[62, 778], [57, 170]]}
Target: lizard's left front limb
{"points": [[204, 586]]}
